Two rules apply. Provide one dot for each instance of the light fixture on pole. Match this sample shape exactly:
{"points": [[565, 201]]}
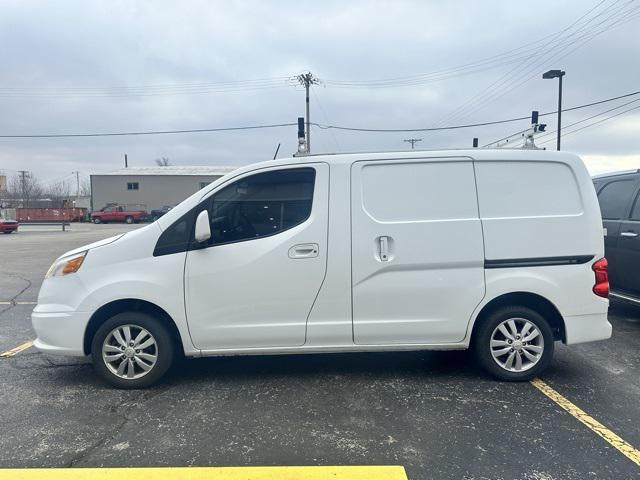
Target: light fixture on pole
{"points": [[557, 74]]}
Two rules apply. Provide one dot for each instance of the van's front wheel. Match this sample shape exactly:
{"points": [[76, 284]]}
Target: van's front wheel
{"points": [[514, 343], [132, 350]]}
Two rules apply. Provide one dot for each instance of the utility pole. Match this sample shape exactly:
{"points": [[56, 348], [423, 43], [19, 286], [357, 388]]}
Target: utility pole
{"points": [[413, 141], [77, 184], [23, 186], [307, 79]]}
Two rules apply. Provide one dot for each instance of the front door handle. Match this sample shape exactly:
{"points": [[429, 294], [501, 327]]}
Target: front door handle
{"points": [[304, 250], [629, 234]]}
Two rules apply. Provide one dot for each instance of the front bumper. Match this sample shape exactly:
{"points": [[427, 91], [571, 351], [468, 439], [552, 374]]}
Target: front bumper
{"points": [[60, 333]]}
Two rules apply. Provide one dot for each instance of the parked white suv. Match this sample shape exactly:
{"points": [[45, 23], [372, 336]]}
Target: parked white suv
{"points": [[498, 250]]}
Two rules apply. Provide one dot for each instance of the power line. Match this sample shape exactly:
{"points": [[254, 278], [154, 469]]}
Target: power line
{"points": [[153, 132], [470, 125], [146, 90], [574, 123], [552, 51], [594, 123], [507, 57], [546, 134], [533, 62], [322, 126]]}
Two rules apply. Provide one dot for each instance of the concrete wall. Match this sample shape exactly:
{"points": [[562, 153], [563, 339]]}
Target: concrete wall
{"points": [[154, 190]]}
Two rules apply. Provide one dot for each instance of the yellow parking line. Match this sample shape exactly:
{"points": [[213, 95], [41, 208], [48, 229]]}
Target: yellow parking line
{"points": [[614, 440], [18, 349], [384, 472]]}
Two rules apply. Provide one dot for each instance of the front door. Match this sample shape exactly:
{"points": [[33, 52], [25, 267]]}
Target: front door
{"points": [[417, 249], [254, 283]]}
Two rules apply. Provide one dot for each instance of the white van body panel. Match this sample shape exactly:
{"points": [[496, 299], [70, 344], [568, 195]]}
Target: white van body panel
{"points": [[431, 278], [360, 304], [119, 270]]}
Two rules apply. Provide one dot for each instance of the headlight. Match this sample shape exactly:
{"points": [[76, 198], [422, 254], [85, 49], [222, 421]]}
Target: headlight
{"points": [[66, 265]]}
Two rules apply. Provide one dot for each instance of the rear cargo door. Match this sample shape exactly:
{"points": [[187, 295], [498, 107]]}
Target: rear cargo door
{"points": [[417, 250]]}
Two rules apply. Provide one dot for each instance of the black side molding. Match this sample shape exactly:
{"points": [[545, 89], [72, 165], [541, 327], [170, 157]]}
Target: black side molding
{"points": [[537, 261]]}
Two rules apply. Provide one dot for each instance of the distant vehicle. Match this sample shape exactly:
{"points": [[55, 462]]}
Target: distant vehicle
{"points": [[156, 213], [619, 196], [117, 213], [8, 226], [500, 251]]}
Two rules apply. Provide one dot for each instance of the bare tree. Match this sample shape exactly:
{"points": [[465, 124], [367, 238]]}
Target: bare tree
{"points": [[85, 187], [163, 162], [24, 188], [58, 192]]}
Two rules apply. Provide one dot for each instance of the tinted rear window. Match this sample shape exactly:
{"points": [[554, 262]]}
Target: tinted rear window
{"points": [[615, 197]]}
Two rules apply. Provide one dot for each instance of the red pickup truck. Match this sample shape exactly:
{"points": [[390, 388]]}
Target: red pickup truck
{"points": [[116, 213]]}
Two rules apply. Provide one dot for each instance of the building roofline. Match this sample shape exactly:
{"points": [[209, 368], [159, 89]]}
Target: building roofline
{"points": [[178, 170]]}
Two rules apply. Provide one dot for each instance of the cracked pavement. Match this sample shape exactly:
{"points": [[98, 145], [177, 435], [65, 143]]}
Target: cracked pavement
{"points": [[432, 412]]}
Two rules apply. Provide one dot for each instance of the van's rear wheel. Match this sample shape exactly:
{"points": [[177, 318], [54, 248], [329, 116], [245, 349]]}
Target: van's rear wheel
{"points": [[132, 350], [514, 343]]}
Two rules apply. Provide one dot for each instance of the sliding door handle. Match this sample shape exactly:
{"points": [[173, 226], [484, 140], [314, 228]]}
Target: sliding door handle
{"points": [[629, 234], [383, 249]]}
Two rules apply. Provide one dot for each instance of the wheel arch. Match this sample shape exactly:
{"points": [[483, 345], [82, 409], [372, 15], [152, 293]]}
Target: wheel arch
{"points": [[114, 307], [531, 300]]}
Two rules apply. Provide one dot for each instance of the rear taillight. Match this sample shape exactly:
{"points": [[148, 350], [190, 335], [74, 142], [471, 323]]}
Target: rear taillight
{"points": [[601, 287]]}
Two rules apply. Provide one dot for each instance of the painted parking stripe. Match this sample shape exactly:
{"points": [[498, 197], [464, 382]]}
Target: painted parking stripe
{"points": [[614, 440], [384, 472], [18, 303], [18, 349]]}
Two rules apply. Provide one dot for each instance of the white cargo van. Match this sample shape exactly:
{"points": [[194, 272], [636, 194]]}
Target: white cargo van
{"points": [[497, 250]]}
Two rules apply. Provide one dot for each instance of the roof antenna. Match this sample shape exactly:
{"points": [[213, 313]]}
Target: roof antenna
{"points": [[277, 150]]}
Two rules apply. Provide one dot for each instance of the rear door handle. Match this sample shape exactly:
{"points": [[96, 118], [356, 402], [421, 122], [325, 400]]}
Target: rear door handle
{"points": [[629, 234], [304, 250]]}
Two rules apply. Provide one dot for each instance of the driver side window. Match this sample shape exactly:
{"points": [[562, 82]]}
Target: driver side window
{"points": [[261, 205]]}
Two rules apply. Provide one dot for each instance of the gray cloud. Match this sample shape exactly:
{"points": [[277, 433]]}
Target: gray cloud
{"points": [[108, 44]]}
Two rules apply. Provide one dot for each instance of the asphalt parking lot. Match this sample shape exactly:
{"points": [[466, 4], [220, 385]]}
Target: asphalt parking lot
{"points": [[432, 412]]}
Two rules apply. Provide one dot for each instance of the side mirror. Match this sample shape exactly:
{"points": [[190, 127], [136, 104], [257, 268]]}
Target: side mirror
{"points": [[203, 229]]}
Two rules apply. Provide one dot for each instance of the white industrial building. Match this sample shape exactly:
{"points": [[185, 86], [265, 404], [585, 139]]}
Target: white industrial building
{"points": [[151, 187]]}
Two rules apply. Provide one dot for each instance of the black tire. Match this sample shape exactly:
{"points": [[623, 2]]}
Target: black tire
{"points": [[165, 349], [129, 220], [481, 343], [97, 221], [7, 232]]}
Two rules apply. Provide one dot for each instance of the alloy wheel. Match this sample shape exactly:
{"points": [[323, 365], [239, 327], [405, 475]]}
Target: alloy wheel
{"points": [[130, 351], [517, 344]]}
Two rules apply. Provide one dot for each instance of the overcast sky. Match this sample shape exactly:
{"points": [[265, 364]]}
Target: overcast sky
{"points": [[114, 66]]}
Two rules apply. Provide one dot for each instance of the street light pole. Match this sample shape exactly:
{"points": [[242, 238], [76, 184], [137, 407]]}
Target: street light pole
{"points": [[557, 74]]}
